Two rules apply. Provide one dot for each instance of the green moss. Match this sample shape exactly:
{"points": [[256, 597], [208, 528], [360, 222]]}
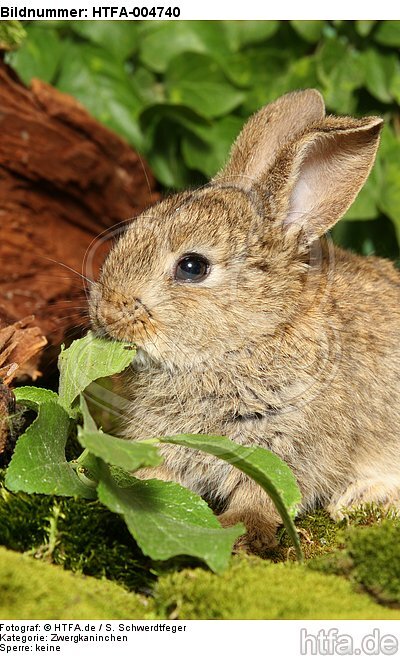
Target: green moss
{"points": [[250, 589], [78, 534], [256, 589], [34, 590], [319, 535], [373, 559], [83, 536]]}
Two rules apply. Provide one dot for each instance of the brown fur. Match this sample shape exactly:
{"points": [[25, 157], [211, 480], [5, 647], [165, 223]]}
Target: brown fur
{"points": [[290, 343]]}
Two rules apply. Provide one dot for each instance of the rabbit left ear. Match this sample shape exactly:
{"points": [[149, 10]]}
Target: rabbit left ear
{"points": [[266, 132], [318, 177]]}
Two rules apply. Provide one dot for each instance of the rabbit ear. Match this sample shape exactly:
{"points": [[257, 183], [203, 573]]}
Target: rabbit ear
{"points": [[323, 172], [266, 132]]}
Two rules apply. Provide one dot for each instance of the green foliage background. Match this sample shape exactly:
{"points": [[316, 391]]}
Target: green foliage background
{"points": [[179, 92]]}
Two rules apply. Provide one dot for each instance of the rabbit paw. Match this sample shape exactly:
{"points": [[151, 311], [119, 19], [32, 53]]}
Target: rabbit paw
{"points": [[385, 494], [260, 533]]}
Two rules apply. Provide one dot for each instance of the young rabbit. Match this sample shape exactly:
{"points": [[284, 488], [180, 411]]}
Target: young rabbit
{"points": [[250, 324]]}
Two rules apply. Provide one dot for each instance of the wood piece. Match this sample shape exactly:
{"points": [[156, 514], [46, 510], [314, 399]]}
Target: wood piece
{"points": [[64, 179], [20, 346]]}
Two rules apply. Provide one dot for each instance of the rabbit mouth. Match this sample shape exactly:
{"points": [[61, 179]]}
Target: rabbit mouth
{"points": [[114, 317]]}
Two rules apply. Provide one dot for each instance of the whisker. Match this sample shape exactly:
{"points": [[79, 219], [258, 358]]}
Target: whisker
{"points": [[66, 266], [145, 175]]}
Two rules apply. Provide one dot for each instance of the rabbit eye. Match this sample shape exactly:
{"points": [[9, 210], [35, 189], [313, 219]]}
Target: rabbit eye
{"points": [[192, 268]]}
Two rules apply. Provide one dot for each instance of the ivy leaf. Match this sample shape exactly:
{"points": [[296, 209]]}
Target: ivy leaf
{"points": [[198, 82], [119, 452], [390, 192], [210, 153], [365, 27], [365, 206], [161, 41], [262, 71], [86, 360], [180, 114], [39, 54], [388, 33], [103, 85], [302, 73], [263, 466], [119, 38], [39, 465], [341, 72], [166, 159], [168, 520], [150, 91], [243, 33], [379, 73], [310, 31]]}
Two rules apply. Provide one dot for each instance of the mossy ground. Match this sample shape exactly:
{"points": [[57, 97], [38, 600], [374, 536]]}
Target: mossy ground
{"points": [[256, 589], [30, 589], [82, 536], [352, 569]]}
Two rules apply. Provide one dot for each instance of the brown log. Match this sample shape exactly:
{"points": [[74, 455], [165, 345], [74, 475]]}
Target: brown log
{"points": [[21, 344], [64, 179], [7, 408]]}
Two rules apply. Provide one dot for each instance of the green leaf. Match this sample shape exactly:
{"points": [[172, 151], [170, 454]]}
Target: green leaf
{"points": [[262, 71], [302, 73], [340, 70], [86, 360], [104, 87], [272, 75], [12, 34], [364, 27], [119, 452], [256, 68], [39, 464], [388, 33], [330, 55], [161, 41], [365, 205], [164, 125], [39, 55], [263, 466], [377, 237], [380, 70], [197, 81], [243, 33], [34, 396], [166, 159], [310, 31], [390, 192], [148, 88], [168, 520], [395, 85], [89, 423], [119, 38], [183, 117], [210, 153]]}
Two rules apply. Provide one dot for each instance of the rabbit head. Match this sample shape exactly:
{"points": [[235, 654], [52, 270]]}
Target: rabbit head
{"points": [[206, 272]]}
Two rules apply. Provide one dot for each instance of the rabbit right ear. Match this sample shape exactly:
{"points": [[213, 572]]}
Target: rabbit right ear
{"points": [[264, 134]]}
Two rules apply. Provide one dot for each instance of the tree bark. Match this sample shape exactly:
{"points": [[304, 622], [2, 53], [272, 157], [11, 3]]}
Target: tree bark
{"points": [[64, 179]]}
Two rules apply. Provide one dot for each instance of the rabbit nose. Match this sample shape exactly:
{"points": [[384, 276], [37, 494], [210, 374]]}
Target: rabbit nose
{"points": [[130, 305], [122, 303]]}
